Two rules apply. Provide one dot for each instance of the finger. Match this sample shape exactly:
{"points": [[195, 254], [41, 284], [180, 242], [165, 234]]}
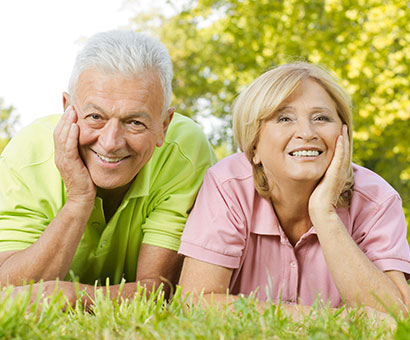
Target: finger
{"points": [[63, 127], [338, 157], [63, 120], [347, 148], [71, 145]]}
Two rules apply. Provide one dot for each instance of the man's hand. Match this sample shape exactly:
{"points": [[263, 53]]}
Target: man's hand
{"points": [[44, 290], [77, 179]]}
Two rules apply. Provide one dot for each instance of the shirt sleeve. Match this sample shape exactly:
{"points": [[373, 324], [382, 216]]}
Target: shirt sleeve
{"points": [[179, 172], [23, 216], [215, 230], [383, 236], [164, 224], [31, 190]]}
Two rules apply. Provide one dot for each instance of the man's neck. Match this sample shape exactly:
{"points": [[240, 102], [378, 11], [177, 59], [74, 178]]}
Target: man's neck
{"points": [[112, 199]]}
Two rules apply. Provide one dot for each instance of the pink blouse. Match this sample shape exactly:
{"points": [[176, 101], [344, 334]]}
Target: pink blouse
{"points": [[232, 226]]}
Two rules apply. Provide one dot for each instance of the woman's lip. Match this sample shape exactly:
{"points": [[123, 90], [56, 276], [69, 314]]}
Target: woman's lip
{"points": [[305, 153]]}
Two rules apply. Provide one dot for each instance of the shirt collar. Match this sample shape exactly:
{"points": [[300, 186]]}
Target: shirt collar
{"points": [[264, 222], [141, 183]]}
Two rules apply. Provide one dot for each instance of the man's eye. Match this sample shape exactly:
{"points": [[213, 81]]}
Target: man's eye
{"points": [[137, 123], [95, 116]]}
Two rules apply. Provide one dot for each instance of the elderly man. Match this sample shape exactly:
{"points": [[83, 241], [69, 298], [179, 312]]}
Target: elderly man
{"points": [[111, 198]]}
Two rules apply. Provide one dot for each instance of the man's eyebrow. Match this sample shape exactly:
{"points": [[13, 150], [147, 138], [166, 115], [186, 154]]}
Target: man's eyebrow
{"points": [[93, 106], [137, 114]]}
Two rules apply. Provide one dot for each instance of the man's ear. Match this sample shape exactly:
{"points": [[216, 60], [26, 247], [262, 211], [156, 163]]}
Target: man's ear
{"points": [[165, 124], [66, 100]]}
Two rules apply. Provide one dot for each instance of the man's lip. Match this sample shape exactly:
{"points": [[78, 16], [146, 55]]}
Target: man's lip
{"points": [[109, 156]]}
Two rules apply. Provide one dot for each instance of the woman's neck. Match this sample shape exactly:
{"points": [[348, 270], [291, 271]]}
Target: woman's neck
{"points": [[290, 202]]}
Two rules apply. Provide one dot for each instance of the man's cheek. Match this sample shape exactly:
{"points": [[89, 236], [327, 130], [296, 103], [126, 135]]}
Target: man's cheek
{"points": [[86, 135]]}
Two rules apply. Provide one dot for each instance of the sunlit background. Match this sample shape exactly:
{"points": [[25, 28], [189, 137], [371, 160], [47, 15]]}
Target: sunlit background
{"points": [[39, 40], [218, 47]]}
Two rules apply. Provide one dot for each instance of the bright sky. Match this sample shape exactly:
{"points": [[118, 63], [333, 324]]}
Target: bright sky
{"points": [[39, 40]]}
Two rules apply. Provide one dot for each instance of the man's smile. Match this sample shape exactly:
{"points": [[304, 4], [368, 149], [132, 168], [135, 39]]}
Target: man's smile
{"points": [[109, 159]]}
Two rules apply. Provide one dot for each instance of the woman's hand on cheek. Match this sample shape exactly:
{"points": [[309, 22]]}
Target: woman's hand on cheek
{"points": [[326, 195]]}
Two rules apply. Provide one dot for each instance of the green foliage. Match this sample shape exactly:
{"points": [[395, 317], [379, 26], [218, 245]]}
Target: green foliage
{"points": [[7, 122], [151, 317], [220, 46]]}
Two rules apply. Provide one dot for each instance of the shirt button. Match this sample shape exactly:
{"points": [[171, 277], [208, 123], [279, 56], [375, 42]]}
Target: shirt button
{"points": [[293, 264], [95, 224], [103, 243]]}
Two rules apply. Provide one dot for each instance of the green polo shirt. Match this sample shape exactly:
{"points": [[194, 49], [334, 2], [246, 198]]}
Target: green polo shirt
{"points": [[153, 211]]}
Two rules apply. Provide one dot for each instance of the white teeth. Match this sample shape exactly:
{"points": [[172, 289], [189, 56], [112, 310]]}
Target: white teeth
{"points": [[305, 153], [110, 159]]}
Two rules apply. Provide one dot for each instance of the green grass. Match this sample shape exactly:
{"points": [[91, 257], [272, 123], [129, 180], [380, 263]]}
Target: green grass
{"points": [[153, 318]]}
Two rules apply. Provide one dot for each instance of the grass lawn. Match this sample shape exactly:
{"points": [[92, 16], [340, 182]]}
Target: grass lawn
{"points": [[153, 318]]}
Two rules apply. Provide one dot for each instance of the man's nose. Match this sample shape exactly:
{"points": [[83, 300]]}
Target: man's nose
{"points": [[111, 137]]}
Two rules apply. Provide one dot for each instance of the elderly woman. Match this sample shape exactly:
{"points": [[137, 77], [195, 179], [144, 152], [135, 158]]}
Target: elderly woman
{"points": [[291, 218]]}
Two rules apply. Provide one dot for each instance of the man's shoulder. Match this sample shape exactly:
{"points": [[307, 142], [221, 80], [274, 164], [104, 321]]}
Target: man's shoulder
{"points": [[33, 143], [181, 128], [186, 138]]}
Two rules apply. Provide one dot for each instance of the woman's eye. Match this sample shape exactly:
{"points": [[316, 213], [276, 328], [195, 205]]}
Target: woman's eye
{"points": [[284, 119], [322, 118]]}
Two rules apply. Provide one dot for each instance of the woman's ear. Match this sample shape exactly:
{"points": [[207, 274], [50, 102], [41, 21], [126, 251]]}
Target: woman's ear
{"points": [[256, 159]]}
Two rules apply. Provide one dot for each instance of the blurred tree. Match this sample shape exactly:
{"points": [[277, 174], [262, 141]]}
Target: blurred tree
{"points": [[220, 46], [7, 122]]}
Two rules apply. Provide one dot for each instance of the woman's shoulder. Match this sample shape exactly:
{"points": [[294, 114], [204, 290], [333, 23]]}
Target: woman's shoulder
{"points": [[235, 167], [371, 186]]}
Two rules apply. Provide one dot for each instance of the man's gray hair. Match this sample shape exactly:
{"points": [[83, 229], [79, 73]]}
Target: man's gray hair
{"points": [[128, 53]]}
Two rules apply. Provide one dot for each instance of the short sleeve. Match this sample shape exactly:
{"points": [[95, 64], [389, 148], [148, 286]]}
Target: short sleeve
{"points": [[164, 225], [216, 229], [23, 215], [177, 172], [382, 236], [31, 190]]}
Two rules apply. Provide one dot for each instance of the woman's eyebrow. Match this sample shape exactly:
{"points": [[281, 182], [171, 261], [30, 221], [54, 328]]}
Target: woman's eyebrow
{"points": [[322, 109], [283, 108]]}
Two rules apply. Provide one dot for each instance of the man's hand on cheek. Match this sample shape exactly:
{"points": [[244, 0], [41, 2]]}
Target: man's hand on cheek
{"points": [[79, 185]]}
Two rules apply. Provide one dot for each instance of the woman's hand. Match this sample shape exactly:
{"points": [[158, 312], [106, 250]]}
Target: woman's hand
{"points": [[326, 195]]}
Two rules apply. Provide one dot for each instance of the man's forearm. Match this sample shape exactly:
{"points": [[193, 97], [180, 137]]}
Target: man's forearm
{"points": [[51, 255]]}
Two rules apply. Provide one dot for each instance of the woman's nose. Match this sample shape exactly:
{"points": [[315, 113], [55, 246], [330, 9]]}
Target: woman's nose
{"points": [[305, 130]]}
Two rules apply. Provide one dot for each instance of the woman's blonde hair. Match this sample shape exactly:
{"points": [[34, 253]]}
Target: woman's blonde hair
{"points": [[259, 101]]}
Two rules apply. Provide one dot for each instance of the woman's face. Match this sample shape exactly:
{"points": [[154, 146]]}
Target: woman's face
{"points": [[298, 143]]}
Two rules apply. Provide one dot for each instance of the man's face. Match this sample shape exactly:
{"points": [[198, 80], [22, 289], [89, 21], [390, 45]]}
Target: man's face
{"points": [[120, 124]]}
